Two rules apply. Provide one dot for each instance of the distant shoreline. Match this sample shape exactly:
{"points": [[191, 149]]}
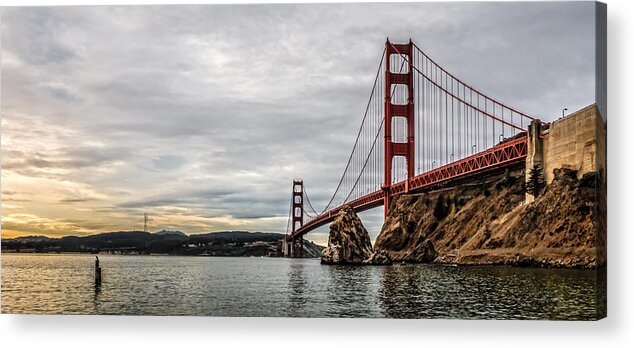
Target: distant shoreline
{"points": [[69, 253], [167, 243], [15, 252]]}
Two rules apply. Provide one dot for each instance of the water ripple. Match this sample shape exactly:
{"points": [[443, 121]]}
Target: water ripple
{"points": [[216, 286]]}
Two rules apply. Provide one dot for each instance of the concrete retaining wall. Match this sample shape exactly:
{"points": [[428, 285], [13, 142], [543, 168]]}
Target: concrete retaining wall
{"points": [[577, 141]]}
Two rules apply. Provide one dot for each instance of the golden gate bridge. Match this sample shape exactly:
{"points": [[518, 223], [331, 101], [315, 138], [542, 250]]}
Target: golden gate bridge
{"points": [[422, 128]]}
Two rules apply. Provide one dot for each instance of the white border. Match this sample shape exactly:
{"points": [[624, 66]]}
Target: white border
{"points": [[615, 331]]}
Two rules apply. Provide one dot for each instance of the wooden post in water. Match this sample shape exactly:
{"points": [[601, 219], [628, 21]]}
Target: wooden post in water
{"points": [[97, 271]]}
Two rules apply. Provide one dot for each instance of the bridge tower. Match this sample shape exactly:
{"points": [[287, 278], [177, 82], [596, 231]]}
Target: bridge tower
{"points": [[394, 149], [297, 244]]}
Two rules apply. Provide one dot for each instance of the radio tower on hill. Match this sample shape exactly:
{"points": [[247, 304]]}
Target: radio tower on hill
{"points": [[146, 219]]}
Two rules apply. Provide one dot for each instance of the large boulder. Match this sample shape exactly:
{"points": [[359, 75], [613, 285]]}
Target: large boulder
{"points": [[348, 240]]}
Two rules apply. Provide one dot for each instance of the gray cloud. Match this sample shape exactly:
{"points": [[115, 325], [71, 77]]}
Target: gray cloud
{"points": [[30, 163], [74, 200], [218, 108]]}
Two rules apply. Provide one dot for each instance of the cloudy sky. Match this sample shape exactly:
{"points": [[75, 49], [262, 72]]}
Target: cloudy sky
{"points": [[202, 115]]}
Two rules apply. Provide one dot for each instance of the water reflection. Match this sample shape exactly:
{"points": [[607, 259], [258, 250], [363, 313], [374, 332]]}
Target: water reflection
{"points": [[297, 284], [95, 300], [352, 291], [216, 286], [420, 291], [602, 295], [399, 280]]}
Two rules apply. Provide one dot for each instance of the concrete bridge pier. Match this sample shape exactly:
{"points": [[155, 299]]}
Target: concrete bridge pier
{"points": [[286, 248], [293, 248], [298, 250]]}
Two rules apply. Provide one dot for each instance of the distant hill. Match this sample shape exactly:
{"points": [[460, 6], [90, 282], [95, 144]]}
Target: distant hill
{"points": [[237, 236], [171, 233], [226, 243], [30, 239]]}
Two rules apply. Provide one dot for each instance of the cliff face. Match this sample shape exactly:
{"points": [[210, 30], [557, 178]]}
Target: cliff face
{"points": [[488, 223]]}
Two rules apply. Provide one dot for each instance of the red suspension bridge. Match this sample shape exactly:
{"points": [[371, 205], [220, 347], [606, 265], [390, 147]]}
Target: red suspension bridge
{"points": [[422, 128]]}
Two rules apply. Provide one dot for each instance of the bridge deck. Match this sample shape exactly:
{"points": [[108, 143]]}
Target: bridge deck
{"points": [[504, 154]]}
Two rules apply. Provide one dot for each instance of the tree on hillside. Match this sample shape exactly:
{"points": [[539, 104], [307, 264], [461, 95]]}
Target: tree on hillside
{"points": [[535, 183]]}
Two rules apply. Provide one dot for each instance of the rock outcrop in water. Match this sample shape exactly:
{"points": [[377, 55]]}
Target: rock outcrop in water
{"points": [[348, 240], [488, 223]]}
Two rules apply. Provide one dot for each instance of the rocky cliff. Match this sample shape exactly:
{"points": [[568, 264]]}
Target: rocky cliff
{"points": [[488, 223], [348, 240]]}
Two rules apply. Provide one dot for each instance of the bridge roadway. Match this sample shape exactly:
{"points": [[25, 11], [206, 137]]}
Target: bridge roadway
{"points": [[507, 153]]}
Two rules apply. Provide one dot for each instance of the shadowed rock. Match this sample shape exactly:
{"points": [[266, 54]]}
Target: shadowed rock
{"points": [[425, 252], [379, 257]]}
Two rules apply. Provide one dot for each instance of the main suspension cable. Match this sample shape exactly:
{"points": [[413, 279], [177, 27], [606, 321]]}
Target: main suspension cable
{"points": [[378, 73]]}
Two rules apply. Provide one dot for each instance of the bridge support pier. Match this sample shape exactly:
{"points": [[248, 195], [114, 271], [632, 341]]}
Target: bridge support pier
{"points": [[293, 247], [298, 247], [286, 248]]}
